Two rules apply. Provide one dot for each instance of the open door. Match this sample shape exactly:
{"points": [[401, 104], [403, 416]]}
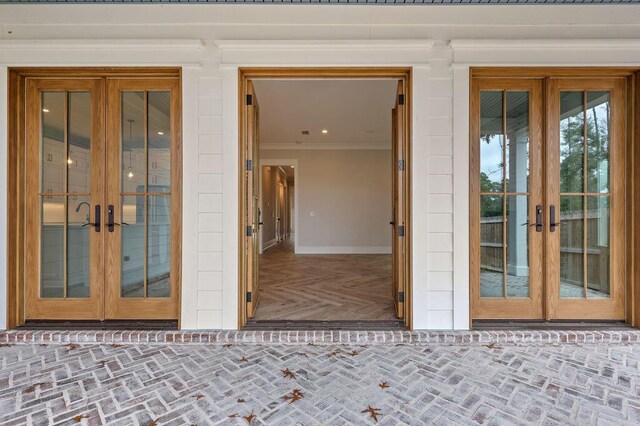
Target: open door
{"points": [[398, 194], [252, 218]]}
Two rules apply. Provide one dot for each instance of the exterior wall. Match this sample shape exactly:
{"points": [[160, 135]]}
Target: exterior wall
{"points": [[425, 38]]}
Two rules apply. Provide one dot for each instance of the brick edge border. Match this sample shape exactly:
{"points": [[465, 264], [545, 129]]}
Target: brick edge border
{"points": [[222, 337]]}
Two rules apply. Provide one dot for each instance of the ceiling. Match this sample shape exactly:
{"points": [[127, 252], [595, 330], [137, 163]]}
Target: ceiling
{"points": [[355, 113], [394, 2]]}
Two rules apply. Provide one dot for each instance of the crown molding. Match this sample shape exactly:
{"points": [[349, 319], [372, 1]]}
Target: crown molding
{"points": [[327, 146]]}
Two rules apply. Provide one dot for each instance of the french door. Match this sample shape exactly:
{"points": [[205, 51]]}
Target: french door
{"points": [[548, 198], [102, 198]]}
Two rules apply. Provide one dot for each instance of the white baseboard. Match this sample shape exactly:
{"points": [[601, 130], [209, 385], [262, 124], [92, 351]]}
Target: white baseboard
{"points": [[343, 250], [269, 244]]}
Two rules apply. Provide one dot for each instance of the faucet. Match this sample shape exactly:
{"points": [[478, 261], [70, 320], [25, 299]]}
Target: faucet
{"points": [[88, 207]]}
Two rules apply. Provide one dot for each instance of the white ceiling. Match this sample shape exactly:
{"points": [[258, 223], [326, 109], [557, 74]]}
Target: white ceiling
{"points": [[356, 113]]}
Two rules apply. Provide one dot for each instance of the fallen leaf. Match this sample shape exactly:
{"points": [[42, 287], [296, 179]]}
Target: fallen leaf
{"points": [[198, 396], [152, 423], [227, 345], [250, 417], [288, 373], [295, 395], [71, 346], [115, 345], [102, 363], [373, 412], [33, 387], [493, 346], [79, 418], [334, 353], [353, 353], [5, 345], [244, 359], [384, 385], [233, 416], [241, 401]]}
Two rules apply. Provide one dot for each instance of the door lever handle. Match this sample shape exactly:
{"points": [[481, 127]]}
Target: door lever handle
{"points": [[538, 223], [96, 217], [552, 218]]}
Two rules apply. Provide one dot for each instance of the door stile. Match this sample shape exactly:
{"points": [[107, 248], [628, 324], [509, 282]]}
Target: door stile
{"points": [[252, 176], [400, 189]]}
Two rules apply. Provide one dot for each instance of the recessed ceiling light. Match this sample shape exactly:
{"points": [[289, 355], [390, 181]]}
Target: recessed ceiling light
{"points": [[292, 167], [161, 133], [45, 110], [325, 131]]}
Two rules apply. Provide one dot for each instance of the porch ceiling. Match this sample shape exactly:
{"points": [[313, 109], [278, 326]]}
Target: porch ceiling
{"points": [[392, 2]]}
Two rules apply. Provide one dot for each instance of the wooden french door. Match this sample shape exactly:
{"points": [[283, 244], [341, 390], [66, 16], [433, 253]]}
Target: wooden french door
{"points": [[102, 198], [398, 221], [547, 198], [251, 211]]}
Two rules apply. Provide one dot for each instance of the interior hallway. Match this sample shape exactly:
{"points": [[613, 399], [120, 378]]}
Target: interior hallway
{"points": [[324, 287]]}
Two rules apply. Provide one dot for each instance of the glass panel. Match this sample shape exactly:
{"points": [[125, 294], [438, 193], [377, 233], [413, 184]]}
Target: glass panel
{"points": [[79, 139], [598, 141], [78, 246], [571, 142], [491, 246], [133, 242], [159, 137], [517, 165], [571, 247], [517, 246], [53, 150], [158, 246], [133, 144], [491, 142], [52, 247], [598, 285]]}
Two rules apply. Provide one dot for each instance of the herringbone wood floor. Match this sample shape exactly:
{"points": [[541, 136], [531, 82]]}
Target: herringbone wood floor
{"points": [[324, 287]]}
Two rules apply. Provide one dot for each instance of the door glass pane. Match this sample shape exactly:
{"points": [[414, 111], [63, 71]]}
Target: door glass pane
{"points": [[598, 141], [133, 142], [53, 159], [159, 141], [52, 247], [517, 150], [491, 142], [78, 246], [79, 139], [571, 142], [491, 246], [517, 246], [598, 247], [133, 246], [158, 246], [571, 246]]}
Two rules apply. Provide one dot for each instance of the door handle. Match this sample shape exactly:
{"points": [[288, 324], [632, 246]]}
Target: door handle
{"points": [[552, 218], [538, 223], [110, 219], [392, 223], [96, 218]]}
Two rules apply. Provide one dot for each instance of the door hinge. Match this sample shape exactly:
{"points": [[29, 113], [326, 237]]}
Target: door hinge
{"points": [[248, 296], [401, 165], [249, 231], [401, 297], [249, 165], [401, 99], [401, 231], [249, 99]]}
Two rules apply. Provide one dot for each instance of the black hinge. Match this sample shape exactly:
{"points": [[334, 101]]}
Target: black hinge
{"points": [[249, 165], [401, 231], [248, 296], [401, 297], [400, 99], [401, 165], [249, 99], [249, 231]]}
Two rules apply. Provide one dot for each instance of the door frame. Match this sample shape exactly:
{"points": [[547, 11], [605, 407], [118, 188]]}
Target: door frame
{"points": [[631, 166], [249, 73], [16, 169]]}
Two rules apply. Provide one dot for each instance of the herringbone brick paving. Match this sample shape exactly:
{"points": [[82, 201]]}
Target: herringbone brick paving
{"points": [[319, 384]]}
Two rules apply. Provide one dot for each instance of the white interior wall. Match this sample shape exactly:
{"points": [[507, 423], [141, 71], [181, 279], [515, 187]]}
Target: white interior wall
{"points": [[128, 35], [344, 199]]}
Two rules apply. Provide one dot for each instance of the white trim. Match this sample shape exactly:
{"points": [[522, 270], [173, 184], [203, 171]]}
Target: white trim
{"points": [[461, 236], [190, 112], [610, 53], [268, 245], [70, 53], [230, 201], [3, 196], [344, 250], [296, 187], [332, 146]]}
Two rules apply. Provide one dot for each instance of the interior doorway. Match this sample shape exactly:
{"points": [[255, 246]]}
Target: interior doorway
{"points": [[317, 245]]}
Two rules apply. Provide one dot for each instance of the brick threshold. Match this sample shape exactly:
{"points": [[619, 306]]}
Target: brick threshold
{"points": [[320, 337]]}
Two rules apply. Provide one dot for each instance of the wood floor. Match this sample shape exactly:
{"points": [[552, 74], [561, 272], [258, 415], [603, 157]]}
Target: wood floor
{"points": [[349, 287]]}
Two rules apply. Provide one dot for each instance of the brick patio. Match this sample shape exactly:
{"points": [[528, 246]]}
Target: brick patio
{"points": [[321, 383]]}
